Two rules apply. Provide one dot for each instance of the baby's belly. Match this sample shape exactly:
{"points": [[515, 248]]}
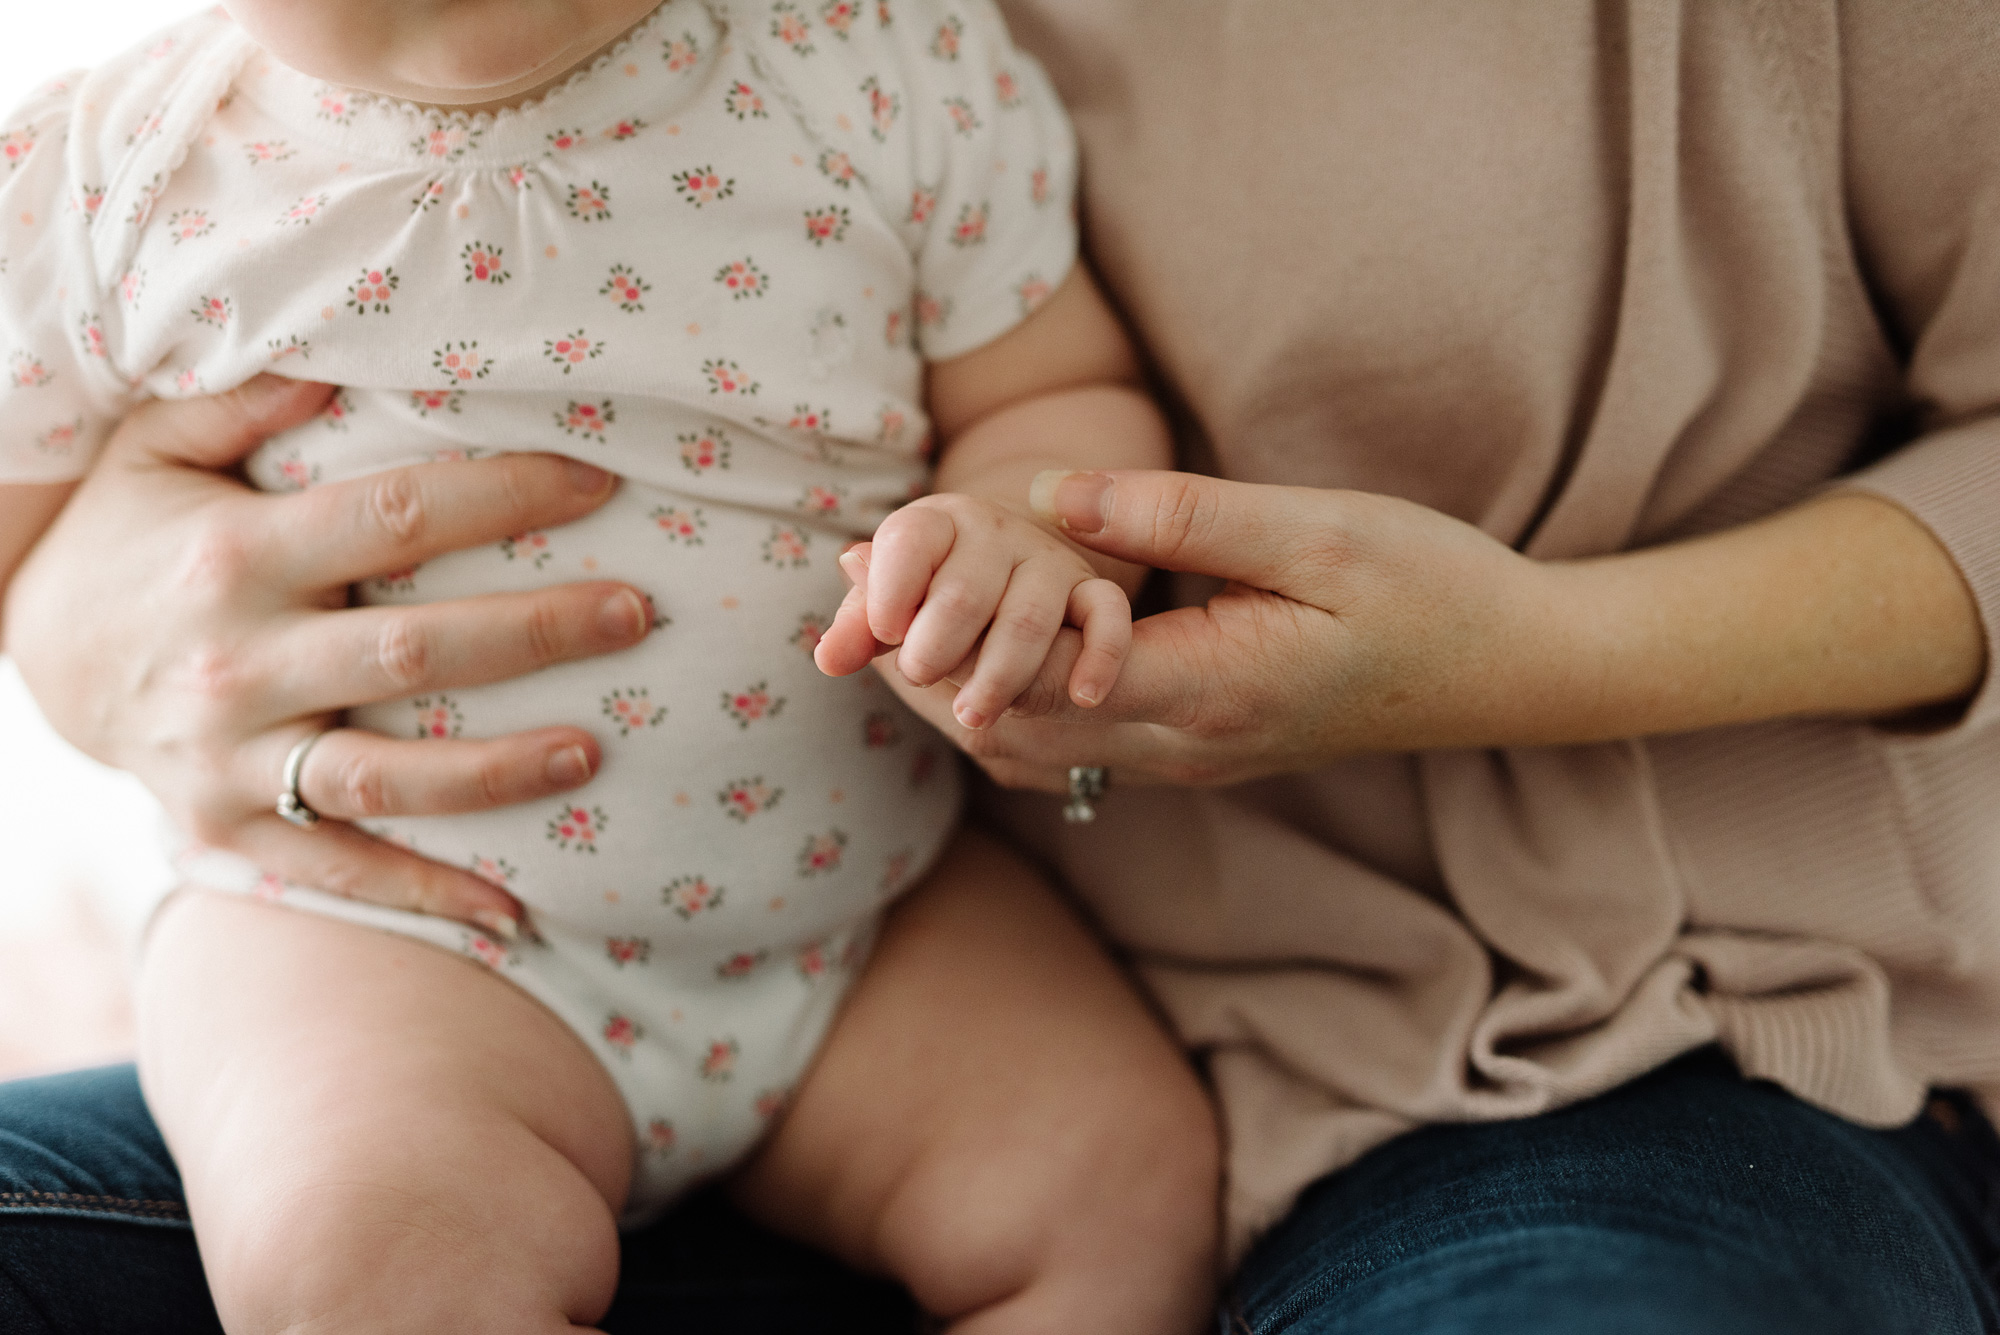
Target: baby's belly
{"points": [[746, 801]]}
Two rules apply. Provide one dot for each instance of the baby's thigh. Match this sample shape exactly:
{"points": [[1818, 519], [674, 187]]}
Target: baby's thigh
{"points": [[998, 1120], [375, 1135]]}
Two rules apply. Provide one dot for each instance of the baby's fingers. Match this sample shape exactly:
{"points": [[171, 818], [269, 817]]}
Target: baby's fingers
{"points": [[908, 548], [1023, 627], [1103, 613], [847, 645]]}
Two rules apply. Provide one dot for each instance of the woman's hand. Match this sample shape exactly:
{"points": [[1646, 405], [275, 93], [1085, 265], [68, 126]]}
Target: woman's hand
{"points": [[1355, 622], [175, 624]]}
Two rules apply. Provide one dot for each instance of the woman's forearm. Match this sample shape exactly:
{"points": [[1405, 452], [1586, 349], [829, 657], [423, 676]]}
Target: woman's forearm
{"points": [[1844, 606], [26, 511]]}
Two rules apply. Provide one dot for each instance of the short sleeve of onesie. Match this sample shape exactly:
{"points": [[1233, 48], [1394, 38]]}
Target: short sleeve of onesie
{"points": [[957, 136], [60, 396]]}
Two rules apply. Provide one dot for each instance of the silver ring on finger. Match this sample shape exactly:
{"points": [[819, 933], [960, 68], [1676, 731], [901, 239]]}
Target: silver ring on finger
{"points": [[1087, 783], [290, 805]]}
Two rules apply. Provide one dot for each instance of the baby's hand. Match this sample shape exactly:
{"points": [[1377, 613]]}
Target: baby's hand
{"points": [[951, 575]]}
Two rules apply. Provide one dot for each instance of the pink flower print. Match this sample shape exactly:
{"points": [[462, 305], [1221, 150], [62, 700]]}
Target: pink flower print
{"points": [[518, 177], [161, 49], [787, 547], [438, 718], [624, 950], [336, 106], [214, 311], [626, 288], [531, 547], [338, 411], [838, 167], [811, 961], [1033, 291], [88, 200], [681, 53], [461, 362], [962, 118], [372, 291], [189, 225], [743, 278], [772, 1102], [486, 950], [188, 382], [149, 195], [428, 401], [824, 225], [703, 451], [562, 141], [590, 203], [690, 896], [894, 329], [145, 129], [740, 965], [571, 350], [726, 377], [950, 34], [839, 16], [302, 213], [283, 349], [621, 1032], [818, 421], [27, 372], [879, 730], [431, 195], [896, 871], [15, 146], [576, 829], [267, 150], [890, 423], [741, 799], [703, 185], [883, 17], [270, 889], [883, 108], [660, 1136], [482, 264], [60, 438], [923, 767], [1038, 185], [923, 204], [447, 142], [720, 1062], [494, 871], [680, 524], [970, 229], [90, 337], [812, 628], [744, 102], [752, 703], [295, 474], [931, 312], [621, 130], [587, 420], [789, 26], [1007, 89], [633, 710], [822, 853], [822, 501], [396, 581]]}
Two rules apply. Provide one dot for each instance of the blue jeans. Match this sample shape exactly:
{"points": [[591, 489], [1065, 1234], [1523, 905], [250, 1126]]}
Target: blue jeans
{"points": [[1690, 1201]]}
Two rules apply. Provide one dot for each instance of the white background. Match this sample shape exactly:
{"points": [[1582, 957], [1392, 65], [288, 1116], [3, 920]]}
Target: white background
{"points": [[65, 823]]}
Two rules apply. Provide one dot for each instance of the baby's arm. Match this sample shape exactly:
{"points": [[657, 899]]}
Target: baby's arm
{"points": [[26, 511], [1062, 390]]}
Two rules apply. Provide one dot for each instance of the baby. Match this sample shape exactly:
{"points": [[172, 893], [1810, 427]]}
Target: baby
{"points": [[753, 258]]}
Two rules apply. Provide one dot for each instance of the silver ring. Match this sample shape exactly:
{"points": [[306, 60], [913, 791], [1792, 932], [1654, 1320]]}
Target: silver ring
{"points": [[1087, 783], [290, 805]]}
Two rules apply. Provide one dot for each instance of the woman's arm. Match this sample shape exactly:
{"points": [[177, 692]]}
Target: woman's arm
{"points": [[1363, 623], [178, 625]]}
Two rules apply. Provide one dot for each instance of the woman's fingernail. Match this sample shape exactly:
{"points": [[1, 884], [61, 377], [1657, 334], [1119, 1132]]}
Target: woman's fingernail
{"points": [[623, 616], [1079, 502], [586, 479], [970, 718], [569, 766], [502, 926], [1086, 696]]}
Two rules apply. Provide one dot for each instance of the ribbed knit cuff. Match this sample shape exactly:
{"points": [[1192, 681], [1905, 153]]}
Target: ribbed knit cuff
{"points": [[1950, 482]]}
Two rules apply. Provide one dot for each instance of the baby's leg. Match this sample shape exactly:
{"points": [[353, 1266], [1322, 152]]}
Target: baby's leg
{"points": [[376, 1136], [997, 1121]]}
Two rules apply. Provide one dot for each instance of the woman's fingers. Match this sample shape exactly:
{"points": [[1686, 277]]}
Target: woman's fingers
{"points": [[345, 532], [216, 431], [341, 860], [352, 775], [369, 654], [1268, 537]]}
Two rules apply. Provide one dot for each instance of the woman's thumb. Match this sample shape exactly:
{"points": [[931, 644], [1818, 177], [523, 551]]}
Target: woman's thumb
{"points": [[1181, 521]]}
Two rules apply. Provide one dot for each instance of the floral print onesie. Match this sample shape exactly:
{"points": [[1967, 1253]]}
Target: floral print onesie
{"points": [[714, 263]]}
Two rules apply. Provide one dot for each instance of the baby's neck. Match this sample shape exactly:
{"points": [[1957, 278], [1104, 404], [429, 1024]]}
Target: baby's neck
{"points": [[525, 96]]}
